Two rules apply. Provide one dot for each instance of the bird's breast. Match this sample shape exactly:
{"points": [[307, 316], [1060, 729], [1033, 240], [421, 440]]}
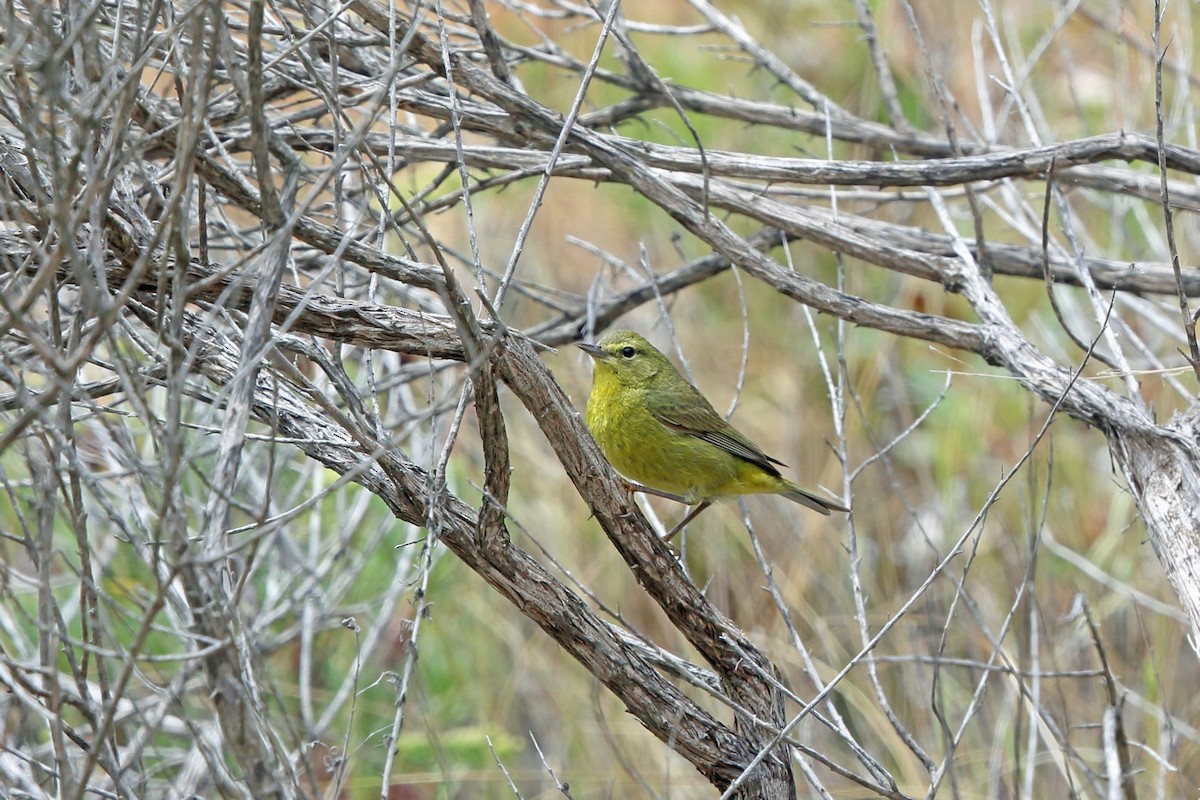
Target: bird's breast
{"points": [[605, 407], [639, 446]]}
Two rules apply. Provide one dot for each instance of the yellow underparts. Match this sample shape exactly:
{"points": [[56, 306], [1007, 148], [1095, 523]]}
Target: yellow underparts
{"points": [[644, 450]]}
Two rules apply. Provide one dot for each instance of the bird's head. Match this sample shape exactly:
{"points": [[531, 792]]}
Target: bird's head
{"points": [[628, 357]]}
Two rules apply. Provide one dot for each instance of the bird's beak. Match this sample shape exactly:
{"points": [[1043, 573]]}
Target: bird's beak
{"points": [[592, 350]]}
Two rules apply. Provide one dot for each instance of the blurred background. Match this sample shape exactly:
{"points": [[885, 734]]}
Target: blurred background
{"points": [[1003, 665]]}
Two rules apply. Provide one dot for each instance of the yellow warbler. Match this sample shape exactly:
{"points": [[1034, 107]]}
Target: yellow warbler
{"points": [[657, 429]]}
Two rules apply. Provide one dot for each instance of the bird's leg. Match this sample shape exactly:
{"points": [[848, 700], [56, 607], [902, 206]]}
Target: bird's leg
{"points": [[637, 487], [691, 515]]}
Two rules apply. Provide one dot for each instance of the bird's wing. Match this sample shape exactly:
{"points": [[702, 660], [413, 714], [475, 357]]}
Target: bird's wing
{"points": [[695, 416]]}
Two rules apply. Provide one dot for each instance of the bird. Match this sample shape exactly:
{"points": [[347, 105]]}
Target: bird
{"points": [[657, 429]]}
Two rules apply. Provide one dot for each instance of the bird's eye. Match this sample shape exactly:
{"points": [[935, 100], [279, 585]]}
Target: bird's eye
{"points": [[628, 352]]}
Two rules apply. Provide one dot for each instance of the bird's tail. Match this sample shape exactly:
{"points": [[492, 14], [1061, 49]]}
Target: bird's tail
{"points": [[807, 498]]}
